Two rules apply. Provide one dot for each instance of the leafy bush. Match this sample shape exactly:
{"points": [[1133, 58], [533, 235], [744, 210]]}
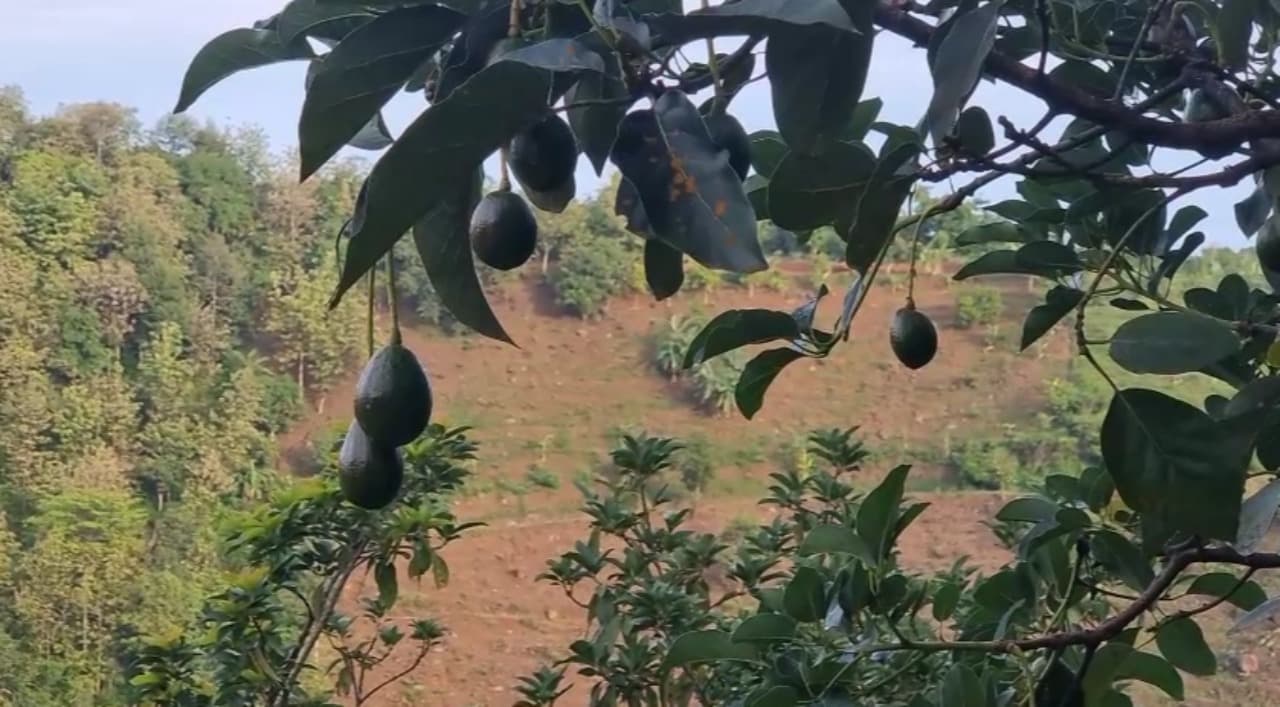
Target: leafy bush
{"points": [[978, 305], [254, 641], [590, 271], [814, 607], [543, 477], [671, 343]]}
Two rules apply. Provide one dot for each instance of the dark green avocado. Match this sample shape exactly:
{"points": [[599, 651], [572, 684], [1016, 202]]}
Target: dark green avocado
{"points": [[728, 134], [369, 473], [393, 396], [504, 231], [913, 338], [544, 156]]}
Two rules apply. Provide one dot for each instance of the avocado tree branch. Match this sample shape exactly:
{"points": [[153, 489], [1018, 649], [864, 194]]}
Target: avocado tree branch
{"points": [[1225, 133], [1113, 626]]}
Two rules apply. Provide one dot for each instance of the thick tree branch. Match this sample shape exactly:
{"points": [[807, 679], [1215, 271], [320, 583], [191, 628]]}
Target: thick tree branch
{"points": [[1092, 637], [1227, 133]]}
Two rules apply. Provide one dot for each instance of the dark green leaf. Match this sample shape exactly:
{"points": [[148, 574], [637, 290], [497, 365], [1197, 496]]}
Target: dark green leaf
{"points": [[879, 206], [362, 73], [663, 268], [997, 262], [1174, 463], [1058, 302], [705, 647], [958, 65], [997, 232], [1184, 220], [817, 74], [1170, 343], [1086, 76], [737, 328], [628, 206], [316, 17], [1235, 24], [810, 192], [1030, 509], [806, 596], [601, 103], [443, 146], [961, 688], [1129, 305], [691, 196], [864, 114], [765, 628], [1143, 213], [973, 129], [1049, 258], [1153, 670], [487, 25], [750, 17], [443, 242], [1182, 643], [833, 539], [374, 135], [758, 375], [1103, 671], [945, 601], [1247, 595], [879, 512], [1122, 558], [1257, 516], [767, 151], [1252, 212], [232, 52], [384, 574]]}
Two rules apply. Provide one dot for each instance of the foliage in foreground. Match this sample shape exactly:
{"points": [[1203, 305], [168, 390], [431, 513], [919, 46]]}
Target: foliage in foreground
{"points": [[258, 642], [816, 608]]}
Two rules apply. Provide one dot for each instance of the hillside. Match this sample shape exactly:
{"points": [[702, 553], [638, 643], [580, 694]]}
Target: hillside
{"points": [[551, 408]]}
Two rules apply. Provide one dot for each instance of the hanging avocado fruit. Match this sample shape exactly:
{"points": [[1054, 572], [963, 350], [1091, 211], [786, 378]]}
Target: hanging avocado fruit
{"points": [[728, 134], [393, 396], [369, 473], [504, 231], [544, 156], [913, 337]]}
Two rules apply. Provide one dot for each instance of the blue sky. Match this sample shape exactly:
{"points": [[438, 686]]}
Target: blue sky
{"points": [[135, 52]]}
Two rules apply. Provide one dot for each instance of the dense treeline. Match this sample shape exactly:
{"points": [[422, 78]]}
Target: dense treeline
{"points": [[162, 314]]}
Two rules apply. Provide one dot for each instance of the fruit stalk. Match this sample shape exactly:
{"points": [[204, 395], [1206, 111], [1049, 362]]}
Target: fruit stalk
{"points": [[373, 292], [714, 66], [392, 300]]}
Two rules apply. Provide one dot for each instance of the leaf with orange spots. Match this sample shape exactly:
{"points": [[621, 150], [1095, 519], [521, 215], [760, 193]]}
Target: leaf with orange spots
{"points": [[686, 188]]}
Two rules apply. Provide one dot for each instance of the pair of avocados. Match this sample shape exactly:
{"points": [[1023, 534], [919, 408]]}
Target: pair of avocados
{"points": [[504, 231], [392, 407]]}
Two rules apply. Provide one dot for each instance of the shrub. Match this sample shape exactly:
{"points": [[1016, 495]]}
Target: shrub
{"points": [[590, 271], [543, 477], [978, 305]]}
